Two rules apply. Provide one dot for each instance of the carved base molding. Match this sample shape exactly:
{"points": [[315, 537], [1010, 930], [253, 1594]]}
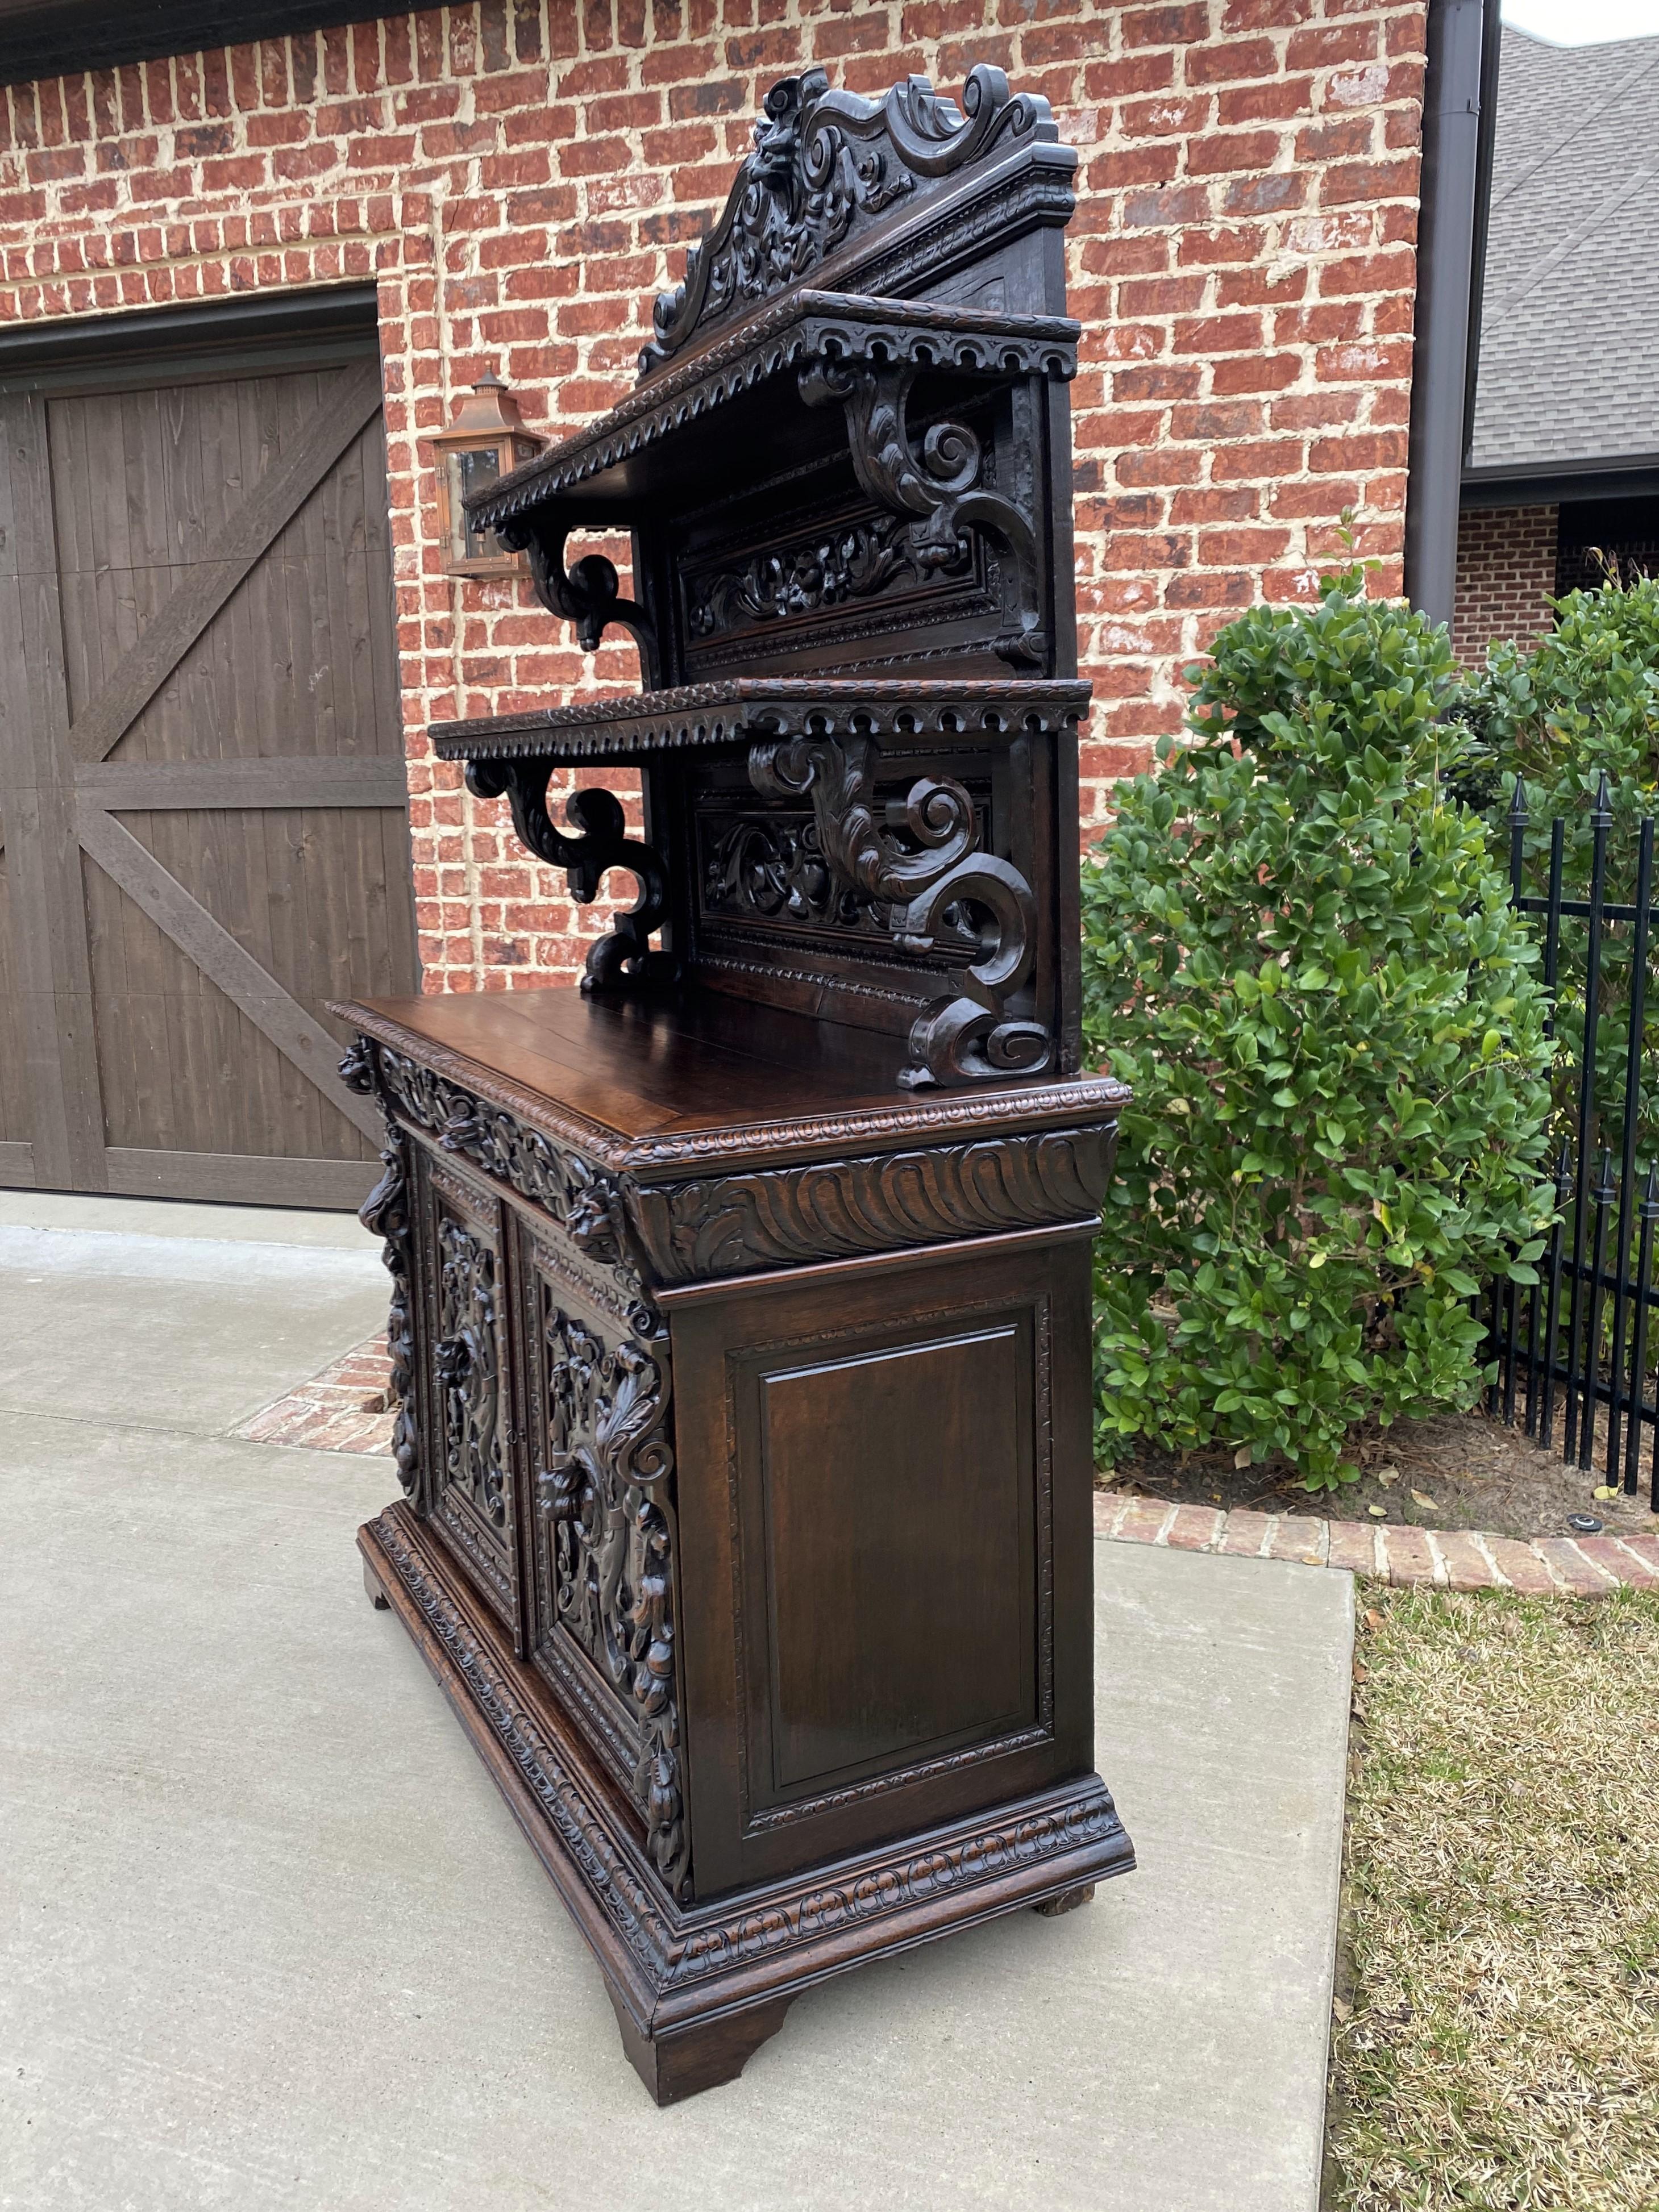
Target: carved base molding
{"points": [[697, 1989]]}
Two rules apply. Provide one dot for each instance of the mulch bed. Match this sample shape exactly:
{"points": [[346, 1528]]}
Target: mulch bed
{"points": [[1456, 1471]]}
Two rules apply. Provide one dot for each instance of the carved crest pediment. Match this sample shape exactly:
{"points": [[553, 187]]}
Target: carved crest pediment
{"points": [[826, 165]]}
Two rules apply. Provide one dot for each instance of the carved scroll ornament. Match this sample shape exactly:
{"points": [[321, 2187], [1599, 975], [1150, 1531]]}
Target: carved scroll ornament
{"points": [[961, 1037], [624, 958], [848, 562], [586, 595], [733, 1225], [937, 488], [606, 1491], [822, 162], [387, 1213], [466, 1365]]}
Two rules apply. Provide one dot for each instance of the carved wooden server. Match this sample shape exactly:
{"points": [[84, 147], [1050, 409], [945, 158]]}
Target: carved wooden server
{"points": [[740, 1311]]}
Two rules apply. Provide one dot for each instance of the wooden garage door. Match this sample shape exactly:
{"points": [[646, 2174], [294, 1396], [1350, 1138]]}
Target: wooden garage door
{"points": [[202, 794]]}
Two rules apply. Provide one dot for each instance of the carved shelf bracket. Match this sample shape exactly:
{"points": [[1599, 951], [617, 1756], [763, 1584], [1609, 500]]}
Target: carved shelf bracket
{"points": [[937, 491], [961, 1037], [624, 958], [587, 595]]}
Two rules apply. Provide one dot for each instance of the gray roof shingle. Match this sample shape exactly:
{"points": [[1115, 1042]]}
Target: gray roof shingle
{"points": [[1569, 320]]}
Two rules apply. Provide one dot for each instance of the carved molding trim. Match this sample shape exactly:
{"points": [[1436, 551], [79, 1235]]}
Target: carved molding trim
{"points": [[606, 1492], [675, 1948], [388, 1212], [957, 1038], [585, 1204], [742, 1223], [622, 1897], [821, 160], [807, 326], [832, 568], [1067, 1101], [742, 709], [623, 957], [893, 1888]]}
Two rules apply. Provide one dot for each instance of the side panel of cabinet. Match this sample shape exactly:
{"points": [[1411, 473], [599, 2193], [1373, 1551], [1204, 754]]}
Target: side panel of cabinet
{"points": [[885, 1509]]}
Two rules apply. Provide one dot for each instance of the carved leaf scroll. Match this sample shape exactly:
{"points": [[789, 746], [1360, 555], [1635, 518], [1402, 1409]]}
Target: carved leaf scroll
{"points": [[733, 1224], [824, 164], [467, 1366], [958, 1038], [940, 487], [387, 1213], [606, 1491]]}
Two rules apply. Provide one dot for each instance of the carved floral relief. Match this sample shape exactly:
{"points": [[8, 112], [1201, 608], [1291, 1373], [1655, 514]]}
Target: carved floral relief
{"points": [[606, 1492]]}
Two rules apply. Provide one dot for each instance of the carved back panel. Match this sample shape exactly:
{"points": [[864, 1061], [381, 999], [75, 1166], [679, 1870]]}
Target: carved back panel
{"points": [[910, 196]]}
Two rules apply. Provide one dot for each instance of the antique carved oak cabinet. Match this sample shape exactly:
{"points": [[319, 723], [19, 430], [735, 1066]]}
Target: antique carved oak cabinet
{"points": [[740, 1316]]}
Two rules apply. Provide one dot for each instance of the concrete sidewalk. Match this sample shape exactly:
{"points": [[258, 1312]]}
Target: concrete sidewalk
{"points": [[271, 1938]]}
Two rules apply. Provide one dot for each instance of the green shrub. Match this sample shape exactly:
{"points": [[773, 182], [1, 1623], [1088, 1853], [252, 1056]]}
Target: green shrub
{"points": [[1583, 702], [1300, 954], [1584, 698]]}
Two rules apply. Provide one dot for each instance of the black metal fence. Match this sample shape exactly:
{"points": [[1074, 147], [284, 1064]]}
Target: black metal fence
{"points": [[1580, 1345]]}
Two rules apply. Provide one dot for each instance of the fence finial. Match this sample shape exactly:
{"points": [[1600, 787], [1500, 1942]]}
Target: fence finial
{"points": [[1601, 812], [1649, 1207], [1518, 805]]}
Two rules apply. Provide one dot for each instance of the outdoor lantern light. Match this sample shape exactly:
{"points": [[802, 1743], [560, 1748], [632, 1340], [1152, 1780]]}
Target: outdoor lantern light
{"points": [[485, 441]]}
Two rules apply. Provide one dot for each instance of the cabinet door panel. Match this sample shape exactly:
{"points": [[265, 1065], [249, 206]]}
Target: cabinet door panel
{"points": [[883, 1500], [471, 1467], [898, 1502]]}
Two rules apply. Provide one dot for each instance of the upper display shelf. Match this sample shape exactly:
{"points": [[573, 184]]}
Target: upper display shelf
{"points": [[679, 429], [705, 715]]}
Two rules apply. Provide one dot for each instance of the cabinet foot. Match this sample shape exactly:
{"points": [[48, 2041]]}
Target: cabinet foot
{"points": [[377, 1596], [1067, 1901], [697, 2057]]}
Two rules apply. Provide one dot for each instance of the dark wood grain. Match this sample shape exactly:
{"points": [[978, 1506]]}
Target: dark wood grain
{"points": [[740, 1325]]}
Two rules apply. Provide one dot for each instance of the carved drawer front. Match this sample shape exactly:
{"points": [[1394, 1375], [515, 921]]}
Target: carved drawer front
{"points": [[598, 1384], [471, 1425]]}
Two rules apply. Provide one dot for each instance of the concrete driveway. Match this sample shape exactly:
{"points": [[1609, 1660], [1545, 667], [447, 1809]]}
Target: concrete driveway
{"points": [[270, 1939]]}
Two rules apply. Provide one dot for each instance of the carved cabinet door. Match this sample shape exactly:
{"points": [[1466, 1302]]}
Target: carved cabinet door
{"points": [[602, 1540], [471, 1465]]}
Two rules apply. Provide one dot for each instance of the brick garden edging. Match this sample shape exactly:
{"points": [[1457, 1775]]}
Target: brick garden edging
{"points": [[1461, 1558], [343, 1409]]}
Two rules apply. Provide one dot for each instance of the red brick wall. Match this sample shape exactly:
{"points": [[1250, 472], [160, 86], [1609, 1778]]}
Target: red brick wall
{"points": [[522, 175], [1505, 576]]}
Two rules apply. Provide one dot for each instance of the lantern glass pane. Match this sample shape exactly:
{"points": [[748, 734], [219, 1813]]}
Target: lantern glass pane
{"points": [[476, 468]]}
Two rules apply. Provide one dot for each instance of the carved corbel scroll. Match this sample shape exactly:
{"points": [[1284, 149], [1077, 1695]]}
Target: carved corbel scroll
{"points": [[387, 1213], [965, 1037], [939, 490], [587, 595], [624, 958]]}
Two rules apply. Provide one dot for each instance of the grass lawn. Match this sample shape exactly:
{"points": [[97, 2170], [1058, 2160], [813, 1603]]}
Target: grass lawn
{"points": [[1497, 2042]]}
